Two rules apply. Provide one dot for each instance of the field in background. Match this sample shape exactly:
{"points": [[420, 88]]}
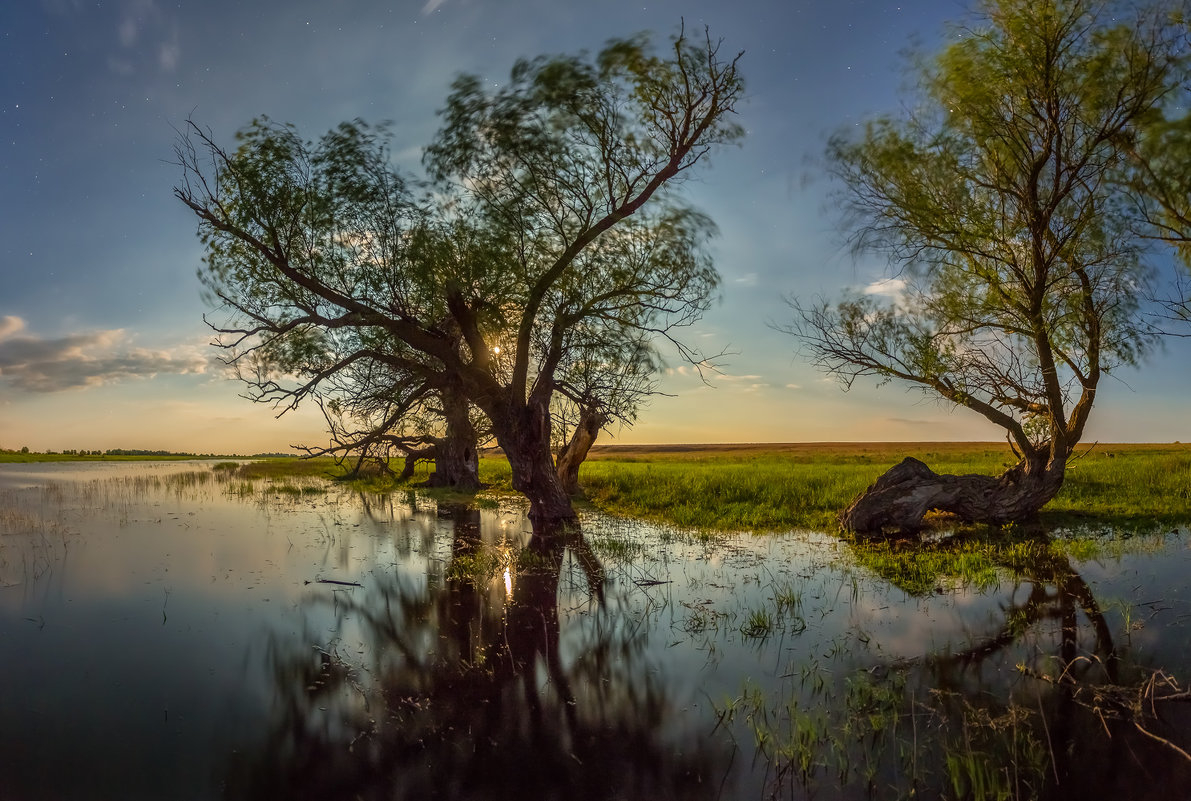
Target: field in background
{"points": [[768, 487], [782, 486]]}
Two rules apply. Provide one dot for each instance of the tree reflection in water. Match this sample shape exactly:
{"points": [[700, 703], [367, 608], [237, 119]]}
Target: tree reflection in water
{"points": [[468, 683], [1044, 705], [1090, 737]]}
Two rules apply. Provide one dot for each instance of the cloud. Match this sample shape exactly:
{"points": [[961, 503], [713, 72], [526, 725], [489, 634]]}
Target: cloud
{"points": [[135, 15], [128, 30], [892, 288], [10, 325], [431, 6], [145, 35], [76, 361], [168, 55], [748, 279]]}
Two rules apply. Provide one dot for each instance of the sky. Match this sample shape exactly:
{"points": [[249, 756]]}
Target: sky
{"points": [[102, 338]]}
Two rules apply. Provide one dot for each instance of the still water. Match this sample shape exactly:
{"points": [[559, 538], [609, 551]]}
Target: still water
{"points": [[172, 631]]}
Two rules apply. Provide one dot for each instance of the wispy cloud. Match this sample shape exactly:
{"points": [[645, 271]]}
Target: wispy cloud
{"points": [[36, 364], [718, 378], [145, 34], [431, 6], [907, 421], [893, 288], [169, 53], [10, 325]]}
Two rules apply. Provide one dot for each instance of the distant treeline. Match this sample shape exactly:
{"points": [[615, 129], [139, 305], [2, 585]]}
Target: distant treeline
{"points": [[143, 453]]}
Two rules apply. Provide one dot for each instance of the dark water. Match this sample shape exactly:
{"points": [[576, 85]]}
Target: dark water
{"points": [[167, 633]]}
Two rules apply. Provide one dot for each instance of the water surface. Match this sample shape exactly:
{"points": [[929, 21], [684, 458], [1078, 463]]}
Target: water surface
{"points": [[173, 631]]}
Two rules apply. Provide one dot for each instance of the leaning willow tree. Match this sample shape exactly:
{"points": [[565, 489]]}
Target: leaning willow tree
{"points": [[550, 223], [1002, 200]]}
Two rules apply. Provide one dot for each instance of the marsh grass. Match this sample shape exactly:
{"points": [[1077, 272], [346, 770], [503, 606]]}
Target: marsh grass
{"points": [[924, 569], [775, 488], [479, 567], [1123, 486], [617, 548], [865, 731], [753, 488], [758, 623], [287, 468], [765, 488], [982, 559]]}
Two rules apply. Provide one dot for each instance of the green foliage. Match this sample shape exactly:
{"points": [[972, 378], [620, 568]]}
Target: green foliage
{"points": [[1004, 202], [544, 255]]}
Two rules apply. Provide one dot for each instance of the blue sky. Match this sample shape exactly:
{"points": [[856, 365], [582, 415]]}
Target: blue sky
{"points": [[102, 341]]}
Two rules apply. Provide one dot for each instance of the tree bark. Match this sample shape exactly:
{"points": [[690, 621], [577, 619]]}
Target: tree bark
{"points": [[411, 461], [573, 454], [900, 499], [523, 433], [456, 457]]}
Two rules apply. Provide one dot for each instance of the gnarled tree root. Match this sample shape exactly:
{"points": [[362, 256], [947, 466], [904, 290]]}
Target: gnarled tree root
{"points": [[900, 499]]}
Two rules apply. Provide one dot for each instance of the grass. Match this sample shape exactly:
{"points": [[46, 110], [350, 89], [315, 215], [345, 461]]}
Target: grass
{"points": [[760, 488], [856, 736], [779, 487], [17, 457], [972, 562], [776, 487]]}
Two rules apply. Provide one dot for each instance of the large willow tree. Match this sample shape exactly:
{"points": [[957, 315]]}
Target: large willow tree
{"points": [[550, 229], [1001, 199]]}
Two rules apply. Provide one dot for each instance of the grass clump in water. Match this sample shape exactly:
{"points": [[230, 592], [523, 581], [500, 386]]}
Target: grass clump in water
{"points": [[759, 623]]}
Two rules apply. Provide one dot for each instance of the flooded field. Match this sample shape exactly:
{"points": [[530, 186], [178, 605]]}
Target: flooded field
{"points": [[175, 631]]}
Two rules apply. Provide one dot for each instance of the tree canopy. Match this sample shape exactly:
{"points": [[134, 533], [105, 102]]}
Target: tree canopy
{"points": [[1003, 200], [547, 236]]}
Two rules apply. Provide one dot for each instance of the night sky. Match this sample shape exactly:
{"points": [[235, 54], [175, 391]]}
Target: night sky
{"points": [[102, 340]]}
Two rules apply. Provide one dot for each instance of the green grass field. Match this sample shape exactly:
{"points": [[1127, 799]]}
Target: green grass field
{"points": [[776, 487]]}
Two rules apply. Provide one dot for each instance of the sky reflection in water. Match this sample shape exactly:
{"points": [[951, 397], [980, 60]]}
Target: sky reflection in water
{"points": [[167, 635]]}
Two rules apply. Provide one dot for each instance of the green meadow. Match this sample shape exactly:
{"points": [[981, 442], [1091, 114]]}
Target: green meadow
{"points": [[778, 487]]}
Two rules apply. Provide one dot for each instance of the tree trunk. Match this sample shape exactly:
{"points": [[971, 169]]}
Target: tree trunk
{"points": [[899, 500], [523, 433], [456, 458], [411, 461], [572, 455]]}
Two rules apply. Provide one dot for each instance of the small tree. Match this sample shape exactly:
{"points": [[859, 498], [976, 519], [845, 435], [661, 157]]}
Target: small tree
{"points": [[1002, 201], [549, 212]]}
